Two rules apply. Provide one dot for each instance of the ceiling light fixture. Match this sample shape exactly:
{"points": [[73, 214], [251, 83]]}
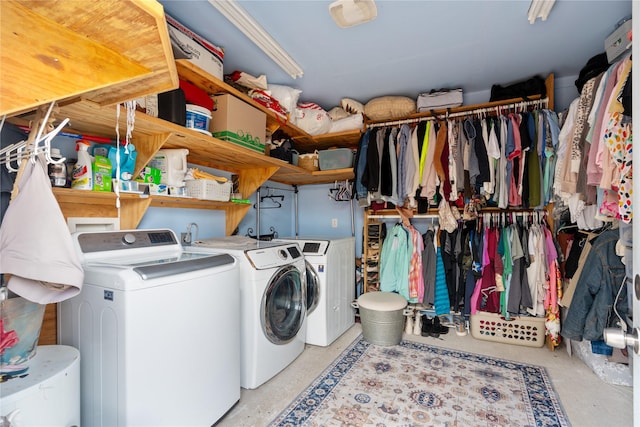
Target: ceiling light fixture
{"points": [[239, 17], [540, 9], [348, 13]]}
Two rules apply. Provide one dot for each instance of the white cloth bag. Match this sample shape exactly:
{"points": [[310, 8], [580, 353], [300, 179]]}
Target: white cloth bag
{"points": [[35, 244]]}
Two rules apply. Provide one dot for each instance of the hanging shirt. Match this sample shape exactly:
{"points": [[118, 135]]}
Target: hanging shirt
{"points": [[503, 192], [394, 262], [493, 152], [428, 267], [514, 157], [553, 132], [416, 280], [390, 188], [429, 176], [406, 166], [619, 142], [452, 140], [413, 179]]}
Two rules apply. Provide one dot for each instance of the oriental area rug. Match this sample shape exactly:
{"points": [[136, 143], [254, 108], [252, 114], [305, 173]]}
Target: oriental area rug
{"points": [[413, 384]]}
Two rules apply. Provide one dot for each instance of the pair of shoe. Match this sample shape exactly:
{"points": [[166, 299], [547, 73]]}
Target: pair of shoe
{"points": [[433, 327]]}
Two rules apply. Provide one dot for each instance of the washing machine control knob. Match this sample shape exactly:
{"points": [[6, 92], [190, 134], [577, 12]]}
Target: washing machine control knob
{"points": [[282, 253], [129, 239]]}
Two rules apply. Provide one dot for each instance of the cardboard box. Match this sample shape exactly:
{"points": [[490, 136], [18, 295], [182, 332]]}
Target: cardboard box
{"points": [[238, 122], [189, 45], [617, 43]]}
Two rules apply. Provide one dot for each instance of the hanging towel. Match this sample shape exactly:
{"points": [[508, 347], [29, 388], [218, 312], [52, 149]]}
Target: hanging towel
{"points": [[35, 244]]}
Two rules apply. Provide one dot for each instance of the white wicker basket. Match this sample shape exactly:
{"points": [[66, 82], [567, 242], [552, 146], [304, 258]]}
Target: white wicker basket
{"points": [[209, 189], [521, 330]]}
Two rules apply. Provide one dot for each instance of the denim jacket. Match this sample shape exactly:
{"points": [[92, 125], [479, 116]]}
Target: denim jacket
{"points": [[591, 308]]}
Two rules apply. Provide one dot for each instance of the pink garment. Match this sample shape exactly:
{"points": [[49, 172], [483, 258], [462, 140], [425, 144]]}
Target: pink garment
{"points": [[475, 296], [551, 297], [552, 253], [416, 279], [7, 339], [606, 115], [594, 169], [515, 194]]}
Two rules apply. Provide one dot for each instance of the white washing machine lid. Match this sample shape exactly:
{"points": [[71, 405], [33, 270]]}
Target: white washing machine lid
{"points": [[134, 259], [162, 265]]}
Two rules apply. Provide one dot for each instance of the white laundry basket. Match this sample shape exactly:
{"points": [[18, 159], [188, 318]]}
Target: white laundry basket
{"points": [[382, 317]]}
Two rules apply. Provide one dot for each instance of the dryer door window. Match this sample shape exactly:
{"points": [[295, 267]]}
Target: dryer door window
{"points": [[313, 287], [283, 306]]}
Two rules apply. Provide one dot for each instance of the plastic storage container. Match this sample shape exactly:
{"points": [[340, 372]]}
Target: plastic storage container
{"points": [[338, 158], [198, 118], [209, 189], [382, 317], [172, 164], [523, 330], [21, 321]]}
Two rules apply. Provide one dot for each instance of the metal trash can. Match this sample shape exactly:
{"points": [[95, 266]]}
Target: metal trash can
{"points": [[382, 317]]}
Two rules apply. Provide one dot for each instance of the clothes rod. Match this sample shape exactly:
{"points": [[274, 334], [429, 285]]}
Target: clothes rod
{"points": [[415, 216], [544, 102]]}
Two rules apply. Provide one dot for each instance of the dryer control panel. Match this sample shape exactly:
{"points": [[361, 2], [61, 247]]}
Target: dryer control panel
{"points": [[127, 239], [273, 256]]}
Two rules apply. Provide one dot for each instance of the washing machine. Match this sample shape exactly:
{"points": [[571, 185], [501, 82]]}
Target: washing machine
{"points": [[156, 327], [331, 264], [272, 304]]}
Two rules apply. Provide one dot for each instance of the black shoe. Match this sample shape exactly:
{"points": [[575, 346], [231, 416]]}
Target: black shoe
{"points": [[438, 328], [427, 326]]}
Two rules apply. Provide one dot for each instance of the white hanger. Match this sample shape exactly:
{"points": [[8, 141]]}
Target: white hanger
{"points": [[40, 144]]}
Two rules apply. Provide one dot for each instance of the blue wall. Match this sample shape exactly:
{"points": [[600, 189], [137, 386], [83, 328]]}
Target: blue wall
{"points": [[315, 209]]}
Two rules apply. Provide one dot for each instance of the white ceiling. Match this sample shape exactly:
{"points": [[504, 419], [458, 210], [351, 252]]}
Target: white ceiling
{"points": [[412, 46]]}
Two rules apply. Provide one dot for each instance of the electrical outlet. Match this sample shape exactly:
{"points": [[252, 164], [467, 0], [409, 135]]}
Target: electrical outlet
{"points": [[185, 238], [334, 223]]}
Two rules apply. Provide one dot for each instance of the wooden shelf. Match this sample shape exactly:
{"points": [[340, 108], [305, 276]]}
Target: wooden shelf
{"points": [[304, 142], [105, 52], [103, 204], [317, 177], [151, 134]]}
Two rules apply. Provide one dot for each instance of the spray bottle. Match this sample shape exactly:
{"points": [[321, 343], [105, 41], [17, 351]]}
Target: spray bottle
{"points": [[82, 171]]}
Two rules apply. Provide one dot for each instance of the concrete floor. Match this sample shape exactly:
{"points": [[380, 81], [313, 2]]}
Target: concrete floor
{"points": [[587, 400]]}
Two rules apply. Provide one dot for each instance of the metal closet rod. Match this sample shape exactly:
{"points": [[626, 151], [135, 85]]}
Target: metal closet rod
{"points": [[543, 102], [425, 216]]}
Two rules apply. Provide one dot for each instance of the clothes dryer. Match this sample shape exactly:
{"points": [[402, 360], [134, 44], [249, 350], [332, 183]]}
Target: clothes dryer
{"points": [[272, 304], [332, 262]]}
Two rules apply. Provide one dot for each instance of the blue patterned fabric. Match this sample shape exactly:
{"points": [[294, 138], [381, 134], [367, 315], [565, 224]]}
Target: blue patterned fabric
{"points": [[441, 303]]}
